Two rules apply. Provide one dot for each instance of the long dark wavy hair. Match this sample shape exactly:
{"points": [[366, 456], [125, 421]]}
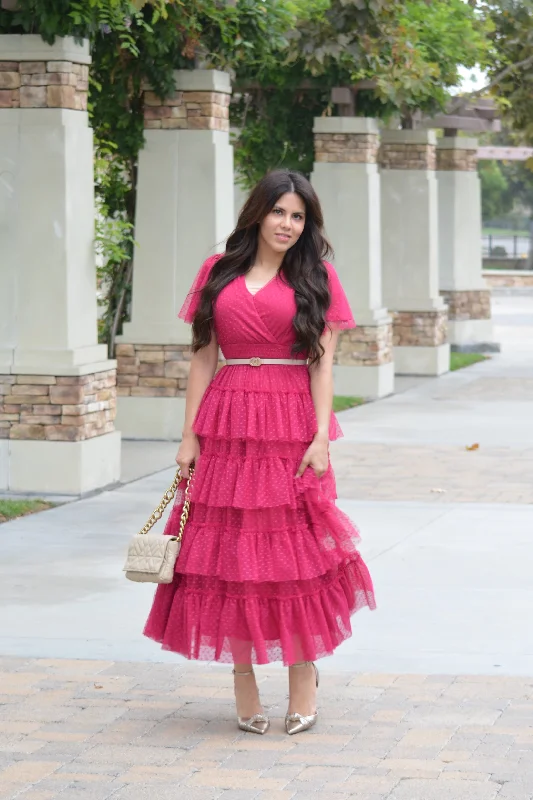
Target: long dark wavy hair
{"points": [[302, 266]]}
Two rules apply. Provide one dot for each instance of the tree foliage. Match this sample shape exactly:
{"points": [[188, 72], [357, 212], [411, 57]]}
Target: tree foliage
{"points": [[410, 49], [495, 197], [285, 57], [512, 58]]}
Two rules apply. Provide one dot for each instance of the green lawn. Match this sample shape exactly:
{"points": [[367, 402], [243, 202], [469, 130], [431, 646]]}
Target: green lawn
{"points": [[9, 509], [460, 360], [504, 232], [342, 403]]}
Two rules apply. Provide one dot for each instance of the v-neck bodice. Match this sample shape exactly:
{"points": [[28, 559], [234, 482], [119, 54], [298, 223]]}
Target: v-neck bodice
{"points": [[257, 324], [253, 294], [261, 324]]}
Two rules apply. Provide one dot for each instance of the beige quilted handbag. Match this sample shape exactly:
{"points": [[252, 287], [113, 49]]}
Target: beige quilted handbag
{"points": [[152, 557]]}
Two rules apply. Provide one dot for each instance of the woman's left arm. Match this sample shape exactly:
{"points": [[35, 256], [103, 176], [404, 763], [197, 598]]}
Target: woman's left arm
{"points": [[316, 455]]}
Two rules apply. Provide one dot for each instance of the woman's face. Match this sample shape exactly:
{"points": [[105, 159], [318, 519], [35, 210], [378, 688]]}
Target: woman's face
{"points": [[283, 226]]}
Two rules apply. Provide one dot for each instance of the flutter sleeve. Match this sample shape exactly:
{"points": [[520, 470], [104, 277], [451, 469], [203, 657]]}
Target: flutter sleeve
{"points": [[192, 300], [339, 314]]}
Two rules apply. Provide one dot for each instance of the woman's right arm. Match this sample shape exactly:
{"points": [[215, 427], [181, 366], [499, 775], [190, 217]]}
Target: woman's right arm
{"points": [[203, 367]]}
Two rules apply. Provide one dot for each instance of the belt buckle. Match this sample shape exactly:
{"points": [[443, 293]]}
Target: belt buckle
{"points": [[256, 361]]}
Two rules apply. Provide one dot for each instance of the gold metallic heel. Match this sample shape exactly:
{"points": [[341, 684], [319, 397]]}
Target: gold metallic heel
{"points": [[295, 723], [258, 723]]}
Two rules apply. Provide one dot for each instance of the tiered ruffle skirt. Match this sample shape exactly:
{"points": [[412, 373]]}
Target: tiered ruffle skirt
{"points": [[269, 568]]}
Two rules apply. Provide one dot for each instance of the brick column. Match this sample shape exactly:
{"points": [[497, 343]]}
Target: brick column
{"points": [[185, 209], [57, 386], [460, 254], [410, 252], [346, 178]]}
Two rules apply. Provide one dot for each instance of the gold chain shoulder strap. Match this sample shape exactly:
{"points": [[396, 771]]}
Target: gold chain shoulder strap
{"points": [[166, 499]]}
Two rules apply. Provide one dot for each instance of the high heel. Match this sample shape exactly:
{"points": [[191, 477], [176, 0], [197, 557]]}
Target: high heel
{"points": [[295, 723], [258, 723]]}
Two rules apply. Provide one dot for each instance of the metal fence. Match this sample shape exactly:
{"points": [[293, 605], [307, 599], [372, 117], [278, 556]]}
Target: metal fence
{"points": [[496, 246]]}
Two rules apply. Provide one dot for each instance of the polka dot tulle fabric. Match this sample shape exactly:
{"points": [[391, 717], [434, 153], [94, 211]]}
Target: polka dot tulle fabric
{"points": [[269, 568]]}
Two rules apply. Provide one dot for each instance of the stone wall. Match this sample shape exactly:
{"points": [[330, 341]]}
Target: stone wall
{"points": [[518, 279], [401, 155], [420, 328], [153, 370], [43, 84], [60, 409], [456, 160], [347, 148], [365, 346], [465, 305], [187, 111]]}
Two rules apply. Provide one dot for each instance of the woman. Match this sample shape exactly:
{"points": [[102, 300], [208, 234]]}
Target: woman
{"points": [[268, 568]]}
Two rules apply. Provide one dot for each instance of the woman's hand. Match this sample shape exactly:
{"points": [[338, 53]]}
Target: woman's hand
{"points": [[189, 451], [316, 456]]}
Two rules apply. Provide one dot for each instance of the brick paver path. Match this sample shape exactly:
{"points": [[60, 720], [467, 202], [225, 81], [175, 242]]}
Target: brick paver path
{"points": [[90, 730], [369, 471]]}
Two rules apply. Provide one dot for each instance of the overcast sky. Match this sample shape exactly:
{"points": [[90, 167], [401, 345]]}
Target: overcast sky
{"points": [[472, 79]]}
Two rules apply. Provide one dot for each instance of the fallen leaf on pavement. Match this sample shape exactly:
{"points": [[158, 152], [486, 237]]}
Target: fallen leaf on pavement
{"points": [[472, 447]]}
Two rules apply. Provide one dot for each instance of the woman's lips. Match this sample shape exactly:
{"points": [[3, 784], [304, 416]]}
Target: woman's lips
{"points": [[283, 237]]}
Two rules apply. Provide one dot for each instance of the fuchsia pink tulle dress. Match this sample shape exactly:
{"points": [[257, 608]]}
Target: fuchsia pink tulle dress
{"points": [[269, 568]]}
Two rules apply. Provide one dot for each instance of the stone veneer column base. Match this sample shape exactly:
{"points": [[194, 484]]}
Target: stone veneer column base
{"points": [[151, 388], [469, 320], [58, 409], [422, 360], [59, 468], [472, 336], [420, 342], [362, 364], [158, 418], [467, 304], [368, 382], [57, 433]]}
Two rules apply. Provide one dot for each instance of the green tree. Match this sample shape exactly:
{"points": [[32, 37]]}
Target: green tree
{"points": [[410, 49], [511, 67], [495, 197]]}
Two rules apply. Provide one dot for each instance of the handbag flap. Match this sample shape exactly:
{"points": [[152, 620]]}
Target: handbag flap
{"points": [[146, 552]]}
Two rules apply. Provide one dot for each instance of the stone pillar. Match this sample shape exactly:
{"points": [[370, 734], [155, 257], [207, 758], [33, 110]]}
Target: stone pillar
{"points": [[460, 252], [185, 209], [345, 176], [57, 386], [410, 252]]}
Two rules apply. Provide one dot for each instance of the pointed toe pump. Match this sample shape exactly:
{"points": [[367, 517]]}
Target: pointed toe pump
{"points": [[257, 723], [295, 723]]}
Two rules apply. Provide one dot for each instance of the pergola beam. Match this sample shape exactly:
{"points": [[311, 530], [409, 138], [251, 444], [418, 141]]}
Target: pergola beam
{"points": [[505, 153]]}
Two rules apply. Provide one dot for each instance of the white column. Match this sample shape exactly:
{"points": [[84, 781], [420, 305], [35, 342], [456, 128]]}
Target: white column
{"points": [[62, 441], [460, 251], [410, 252], [345, 176], [185, 211], [241, 196]]}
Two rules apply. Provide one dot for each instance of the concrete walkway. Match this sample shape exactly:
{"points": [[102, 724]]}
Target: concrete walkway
{"points": [[430, 698]]}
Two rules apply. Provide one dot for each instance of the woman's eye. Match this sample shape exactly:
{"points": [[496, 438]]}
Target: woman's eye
{"points": [[277, 210], [297, 216]]}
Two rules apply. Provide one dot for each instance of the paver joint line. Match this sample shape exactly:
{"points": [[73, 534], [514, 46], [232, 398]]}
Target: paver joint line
{"points": [[393, 756]]}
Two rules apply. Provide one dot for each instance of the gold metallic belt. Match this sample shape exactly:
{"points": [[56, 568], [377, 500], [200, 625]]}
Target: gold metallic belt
{"points": [[256, 362]]}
